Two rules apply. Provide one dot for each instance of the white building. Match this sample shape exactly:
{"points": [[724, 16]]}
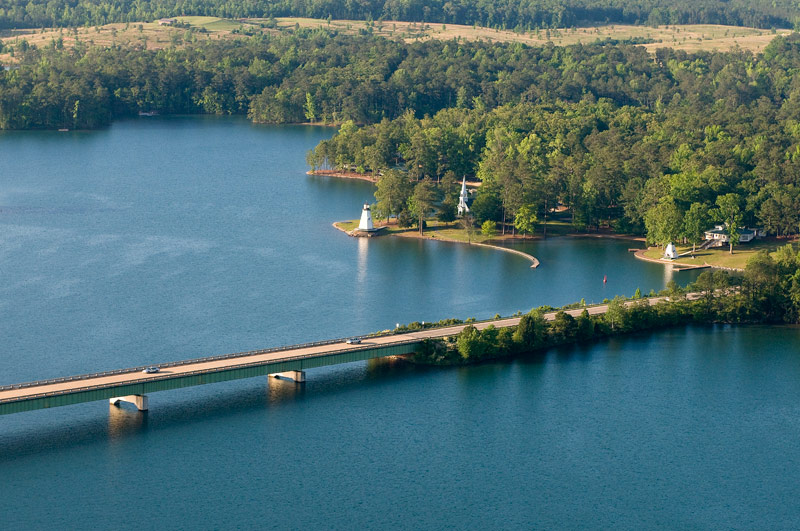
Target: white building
{"points": [[365, 225], [719, 235], [462, 199], [671, 252]]}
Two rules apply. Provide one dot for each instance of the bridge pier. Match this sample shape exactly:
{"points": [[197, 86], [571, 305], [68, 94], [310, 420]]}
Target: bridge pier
{"points": [[295, 376], [140, 401]]}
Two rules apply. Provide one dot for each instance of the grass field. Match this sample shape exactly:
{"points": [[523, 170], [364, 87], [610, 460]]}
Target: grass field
{"points": [[720, 256], [434, 229], [455, 231], [686, 37], [148, 35], [154, 36]]}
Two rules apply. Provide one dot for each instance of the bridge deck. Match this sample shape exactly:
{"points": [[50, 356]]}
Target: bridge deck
{"points": [[76, 389]]}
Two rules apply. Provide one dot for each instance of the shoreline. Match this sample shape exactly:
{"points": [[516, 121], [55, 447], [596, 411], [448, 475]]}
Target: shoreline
{"points": [[534, 261], [679, 266], [343, 175], [339, 174], [609, 235]]}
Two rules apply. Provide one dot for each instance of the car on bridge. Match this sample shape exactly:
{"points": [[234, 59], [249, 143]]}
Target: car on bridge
{"points": [[354, 341], [150, 370]]}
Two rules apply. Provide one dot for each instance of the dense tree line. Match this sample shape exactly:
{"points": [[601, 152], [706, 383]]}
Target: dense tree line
{"points": [[664, 144], [520, 15], [311, 75], [767, 292]]}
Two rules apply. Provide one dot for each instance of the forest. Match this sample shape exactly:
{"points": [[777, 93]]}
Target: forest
{"points": [[767, 292], [662, 144], [665, 145], [508, 14]]}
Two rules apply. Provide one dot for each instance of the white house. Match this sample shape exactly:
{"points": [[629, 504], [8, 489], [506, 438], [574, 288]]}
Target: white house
{"points": [[719, 236]]}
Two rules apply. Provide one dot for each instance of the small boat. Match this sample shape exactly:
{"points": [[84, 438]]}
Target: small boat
{"points": [[63, 129], [148, 113]]}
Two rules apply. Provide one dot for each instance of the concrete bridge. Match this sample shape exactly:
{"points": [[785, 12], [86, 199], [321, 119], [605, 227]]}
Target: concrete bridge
{"points": [[133, 385]]}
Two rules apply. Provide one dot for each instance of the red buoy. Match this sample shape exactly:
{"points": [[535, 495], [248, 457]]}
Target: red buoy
{"points": [[605, 279]]}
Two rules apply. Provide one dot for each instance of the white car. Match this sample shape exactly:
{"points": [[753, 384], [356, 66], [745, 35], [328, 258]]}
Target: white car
{"points": [[354, 341], [150, 370]]}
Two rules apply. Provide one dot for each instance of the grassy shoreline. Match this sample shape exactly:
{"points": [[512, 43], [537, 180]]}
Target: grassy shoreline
{"points": [[440, 231], [717, 257], [453, 232]]}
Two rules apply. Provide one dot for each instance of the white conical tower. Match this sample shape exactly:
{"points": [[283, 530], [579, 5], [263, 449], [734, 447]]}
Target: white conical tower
{"points": [[670, 252], [366, 219], [462, 200]]}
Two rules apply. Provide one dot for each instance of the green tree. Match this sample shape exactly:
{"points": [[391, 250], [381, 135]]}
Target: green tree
{"points": [[564, 327], [762, 283], [486, 206], [705, 285], [663, 222], [696, 222], [617, 315], [470, 344], [447, 210], [489, 228], [392, 193], [729, 212], [422, 201], [525, 220], [531, 331], [468, 224], [585, 326]]}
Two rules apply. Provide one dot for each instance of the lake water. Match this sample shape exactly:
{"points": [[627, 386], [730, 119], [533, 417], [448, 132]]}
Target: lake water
{"points": [[164, 239]]}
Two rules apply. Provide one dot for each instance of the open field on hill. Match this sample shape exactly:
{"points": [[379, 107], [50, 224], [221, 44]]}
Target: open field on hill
{"points": [[155, 36], [146, 34], [687, 37]]}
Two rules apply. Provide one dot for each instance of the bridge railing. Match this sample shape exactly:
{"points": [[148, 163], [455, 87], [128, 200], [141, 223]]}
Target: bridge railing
{"points": [[174, 363], [185, 374], [230, 356], [270, 350]]}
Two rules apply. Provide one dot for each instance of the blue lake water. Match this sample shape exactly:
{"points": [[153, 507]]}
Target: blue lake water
{"points": [[172, 238]]}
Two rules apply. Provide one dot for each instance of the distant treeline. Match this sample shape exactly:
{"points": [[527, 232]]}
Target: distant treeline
{"points": [[767, 292], [510, 14], [665, 143]]}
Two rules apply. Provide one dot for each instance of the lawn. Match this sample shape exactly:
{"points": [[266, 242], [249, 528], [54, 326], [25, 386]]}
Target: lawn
{"points": [[720, 256], [445, 231]]}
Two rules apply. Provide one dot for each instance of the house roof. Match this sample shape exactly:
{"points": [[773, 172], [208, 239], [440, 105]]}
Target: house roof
{"points": [[742, 232]]}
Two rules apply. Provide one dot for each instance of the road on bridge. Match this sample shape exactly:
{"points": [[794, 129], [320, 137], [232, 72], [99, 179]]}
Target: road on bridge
{"points": [[73, 384]]}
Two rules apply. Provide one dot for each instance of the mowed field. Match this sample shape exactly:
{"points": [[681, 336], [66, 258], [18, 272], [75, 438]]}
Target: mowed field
{"points": [[721, 256], [154, 36]]}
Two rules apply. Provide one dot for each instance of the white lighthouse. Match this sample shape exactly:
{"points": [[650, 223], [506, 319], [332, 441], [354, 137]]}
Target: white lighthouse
{"points": [[462, 199], [366, 220]]}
